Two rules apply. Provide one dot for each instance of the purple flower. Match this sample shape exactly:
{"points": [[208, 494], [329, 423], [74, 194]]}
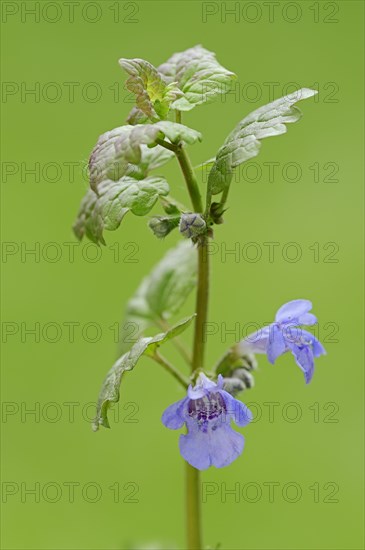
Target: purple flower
{"points": [[284, 335], [207, 412]]}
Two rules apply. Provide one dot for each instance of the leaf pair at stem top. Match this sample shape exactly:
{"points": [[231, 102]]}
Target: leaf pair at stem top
{"points": [[121, 161]]}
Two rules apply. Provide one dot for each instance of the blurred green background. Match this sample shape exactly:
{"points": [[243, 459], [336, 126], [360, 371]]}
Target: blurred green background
{"points": [[128, 482]]}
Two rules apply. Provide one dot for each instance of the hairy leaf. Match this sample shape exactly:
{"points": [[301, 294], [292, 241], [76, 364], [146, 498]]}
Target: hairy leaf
{"points": [[198, 75], [153, 94], [152, 158], [106, 209], [133, 150], [128, 146], [244, 142], [136, 116], [119, 165], [86, 224], [145, 346], [162, 293], [104, 162]]}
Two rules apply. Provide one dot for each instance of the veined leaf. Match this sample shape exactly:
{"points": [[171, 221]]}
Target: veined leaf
{"points": [[136, 116], [162, 293], [105, 164], [106, 209], [119, 165], [198, 75], [153, 94], [152, 158], [127, 150], [128, 146], [102, 162], [244, 142], [194, 74], [145, 346], [86, 223]]}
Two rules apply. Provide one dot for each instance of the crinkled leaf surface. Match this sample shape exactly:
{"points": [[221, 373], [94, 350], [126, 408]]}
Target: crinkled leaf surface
{"points": [[153, 157], [162, 293], [106, 209], [104, 163], [127, 150], [187, 79], [198, 75], [153, 94], [145, 346], [244, 142], [118, 166], [128, 146], [86, 223], [136, 116]]}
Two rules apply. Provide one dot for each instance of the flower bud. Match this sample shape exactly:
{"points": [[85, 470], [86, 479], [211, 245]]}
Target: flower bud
{"points": [[170, 206], [233, 385], [162, 225], [245, 376], [216, 212], [247, 359], [192, 225]]}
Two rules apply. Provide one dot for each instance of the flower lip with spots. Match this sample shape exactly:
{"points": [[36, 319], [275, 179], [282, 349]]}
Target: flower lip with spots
{"points": [[207, 411]]}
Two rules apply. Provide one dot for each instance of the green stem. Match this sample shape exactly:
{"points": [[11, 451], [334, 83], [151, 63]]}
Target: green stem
{"points": [[193, 500], [202, 298], [190, 179], [192, 475], [224, 195], [170, 146], [222, 201], [171, 369], [193, 513], [179, 345], [187, 170]]}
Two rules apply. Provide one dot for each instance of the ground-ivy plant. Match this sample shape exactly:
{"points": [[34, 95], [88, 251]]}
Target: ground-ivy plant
{"points": [[122, 169]]}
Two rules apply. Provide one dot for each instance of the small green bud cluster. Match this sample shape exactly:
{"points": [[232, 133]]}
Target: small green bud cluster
{"points": [[192, 225]]}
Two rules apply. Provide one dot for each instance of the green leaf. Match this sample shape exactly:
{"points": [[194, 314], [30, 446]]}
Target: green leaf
{"points": [[105, 164], [126, 151], [244, 142], [162, 293], [119, 165], [145, 346], [86, 224], [198, 75], [106, 209], [153, 158], [136, 116], [153, 94], [128, 146]]}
